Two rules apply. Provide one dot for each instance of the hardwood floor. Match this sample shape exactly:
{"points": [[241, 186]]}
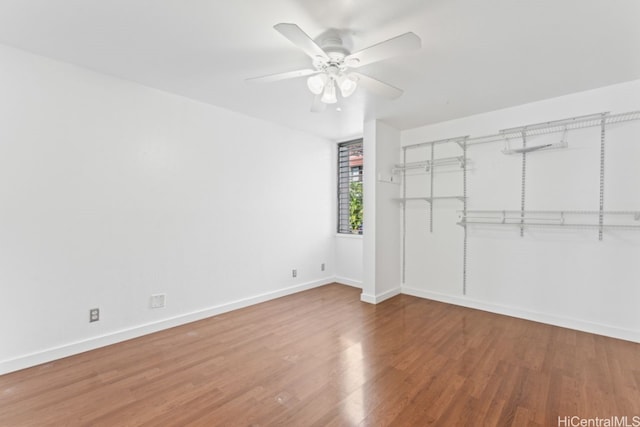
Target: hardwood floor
{"points": [[323, 358]]}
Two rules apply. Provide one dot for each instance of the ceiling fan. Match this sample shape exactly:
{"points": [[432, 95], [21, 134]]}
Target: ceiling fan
{"points": [[333, 65]]}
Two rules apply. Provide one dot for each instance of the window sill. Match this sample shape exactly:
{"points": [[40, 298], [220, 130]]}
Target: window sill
{"points": [[349, 236]]}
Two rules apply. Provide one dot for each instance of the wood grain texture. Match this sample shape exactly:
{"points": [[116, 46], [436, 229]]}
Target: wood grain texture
{"points": [[323, 358]]}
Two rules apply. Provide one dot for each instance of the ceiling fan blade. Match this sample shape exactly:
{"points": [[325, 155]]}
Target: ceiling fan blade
{"points": [[301, 39], [318, 106], [383, 50], [378, 87], [282, 76]]}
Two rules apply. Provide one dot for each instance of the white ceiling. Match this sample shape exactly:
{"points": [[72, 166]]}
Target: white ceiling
{"points": [[476, 55]]}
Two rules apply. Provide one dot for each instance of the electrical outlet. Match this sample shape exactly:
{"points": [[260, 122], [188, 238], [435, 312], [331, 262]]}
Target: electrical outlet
{"points": [[322, 267], [94, 315], [294, 273], [158, 300]]}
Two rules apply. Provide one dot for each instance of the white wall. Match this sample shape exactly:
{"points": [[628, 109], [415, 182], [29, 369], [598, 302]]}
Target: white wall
{"points": [[348, 256], [381, 228], [560, 276], [348, 259], [111, 192], [369, 190]]}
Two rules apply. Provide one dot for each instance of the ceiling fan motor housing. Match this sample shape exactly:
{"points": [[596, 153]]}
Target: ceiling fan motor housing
{"points": [[332, 44]]}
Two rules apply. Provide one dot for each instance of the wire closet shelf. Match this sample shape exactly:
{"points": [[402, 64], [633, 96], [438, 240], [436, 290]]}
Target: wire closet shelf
{"points": [[522, 218], [626, 220], [557, 126]]}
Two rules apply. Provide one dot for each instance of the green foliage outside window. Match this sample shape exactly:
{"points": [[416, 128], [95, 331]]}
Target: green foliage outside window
{"points": [[355, 206]]}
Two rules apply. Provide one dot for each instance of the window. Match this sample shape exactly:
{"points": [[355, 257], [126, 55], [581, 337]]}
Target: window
{"points": [[350, 187]]}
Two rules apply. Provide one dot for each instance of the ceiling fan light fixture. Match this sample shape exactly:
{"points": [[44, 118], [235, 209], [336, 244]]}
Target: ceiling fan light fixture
{"points": [[316, 83], [329, 95], [348, 84], [332, 61]]}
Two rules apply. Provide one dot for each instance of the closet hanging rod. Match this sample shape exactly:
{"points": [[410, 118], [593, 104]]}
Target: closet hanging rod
{"points": [[568, 212], [546, 224], [430, 199], [511, 219], [428, 163]]}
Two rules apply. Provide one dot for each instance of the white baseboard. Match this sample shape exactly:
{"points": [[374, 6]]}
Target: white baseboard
{"points": [[550, 319], [376, 299], [348, 282], [70, 349]]}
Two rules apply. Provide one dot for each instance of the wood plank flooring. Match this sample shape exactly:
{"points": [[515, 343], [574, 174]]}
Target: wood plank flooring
{"points": [[323, 358]]}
